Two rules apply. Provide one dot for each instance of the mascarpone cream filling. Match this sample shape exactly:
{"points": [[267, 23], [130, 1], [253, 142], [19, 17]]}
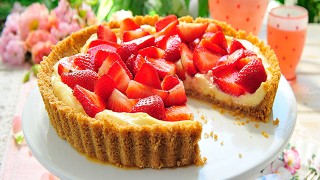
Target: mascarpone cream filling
{"points": [[200, 82]]}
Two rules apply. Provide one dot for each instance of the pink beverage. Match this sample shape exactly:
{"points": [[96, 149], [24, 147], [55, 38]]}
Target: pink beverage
{"points": [[241, 14], [287, 27], [288, 46]]}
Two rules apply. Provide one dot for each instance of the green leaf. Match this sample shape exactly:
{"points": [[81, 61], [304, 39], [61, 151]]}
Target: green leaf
{"points": [[203, 9], [35, 69], [19, 137], [26, 77], [104, 8]]}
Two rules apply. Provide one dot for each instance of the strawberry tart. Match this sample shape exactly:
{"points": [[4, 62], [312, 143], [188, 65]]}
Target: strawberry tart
{"points": [[118, 91]]}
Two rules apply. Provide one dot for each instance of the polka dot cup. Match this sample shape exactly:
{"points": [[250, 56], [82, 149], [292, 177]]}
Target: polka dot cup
{"points": [[241, 14], [286, 33]]}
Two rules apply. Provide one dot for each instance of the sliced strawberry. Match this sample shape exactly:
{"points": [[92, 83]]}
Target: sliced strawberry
{"points": [[220, 40], [177, 96], [152, 105], [119, 75], [66, 65], [180, 72], [235, 45], [91, 103], [187, 60], [137, 63], [104, 87], [100, 41], [204, 60], [152, 52], [169, 82], [224, 71], [110, 58], [228, 87], [127, 25], [214, 48], [106, 47], [213, 27], [208, 35], [191, 31], [178, 113], [134, 34], [126, 50], [105, 33], [148, 75], [169, 30], [137, 90], [164, 22], [162, 66], [143, 42], [85, 78], [251, 76], [119, 102], [171, 47], [84, 61]]}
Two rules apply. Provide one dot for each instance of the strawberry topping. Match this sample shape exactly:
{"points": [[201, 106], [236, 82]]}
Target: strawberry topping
{"points": [[152, 105]]}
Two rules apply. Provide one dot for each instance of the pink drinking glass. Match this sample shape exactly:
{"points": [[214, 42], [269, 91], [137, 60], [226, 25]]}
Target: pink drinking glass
{"points": [[241, 14], [286, 34]]}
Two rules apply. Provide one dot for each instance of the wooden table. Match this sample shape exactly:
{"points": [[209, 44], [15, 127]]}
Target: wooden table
{"points": [[306, 89]]}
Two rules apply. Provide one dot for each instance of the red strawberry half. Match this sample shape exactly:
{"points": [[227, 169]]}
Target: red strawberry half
{"points": [[137, 90], [104, 87], [152, 105], [251, 76], [119, 102], [105, 33], [84, 78], [148, 75], [191, 31], [178, 113], [164, 22], [204, 60], [84, 61], [119, 75], [91, 103]]}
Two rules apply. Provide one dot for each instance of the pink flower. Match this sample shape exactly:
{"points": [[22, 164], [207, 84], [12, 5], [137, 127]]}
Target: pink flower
{"points": [[11, 25], [14, 52], [64, 12], [64, 29], [39, 36], [291, 160], [33, 18], [39, 50]]}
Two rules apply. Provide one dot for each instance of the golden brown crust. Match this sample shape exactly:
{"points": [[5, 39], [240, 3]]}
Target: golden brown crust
{"points": [[154, 146]]}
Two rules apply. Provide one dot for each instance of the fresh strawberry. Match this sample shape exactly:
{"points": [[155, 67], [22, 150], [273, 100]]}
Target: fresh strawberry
{"points": [[105, 33], [164, 22], [214, 48], [110, 58], [106, 58], [104, 87], [137, 63], [143, 42], [251, 76], [66, 65], [162, 66], [134, 34], [171, 47], [178, 113], [169, 30], [106, 47], [84, 61], [126, 50], [180, 72], [119, 75], [220, 40], [236, 56], [119, 102], [187, 60], [127, 25], [91, 103], [97, 42], [137, 90], [191, 31], [235, 45], [227, 70], [169, 82], [130, 63], [229, 87], [177, 96], [204, 60], [152, 105], [152, 52], [208, 35], [84, 78], [213, 27], [148, 75]]}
